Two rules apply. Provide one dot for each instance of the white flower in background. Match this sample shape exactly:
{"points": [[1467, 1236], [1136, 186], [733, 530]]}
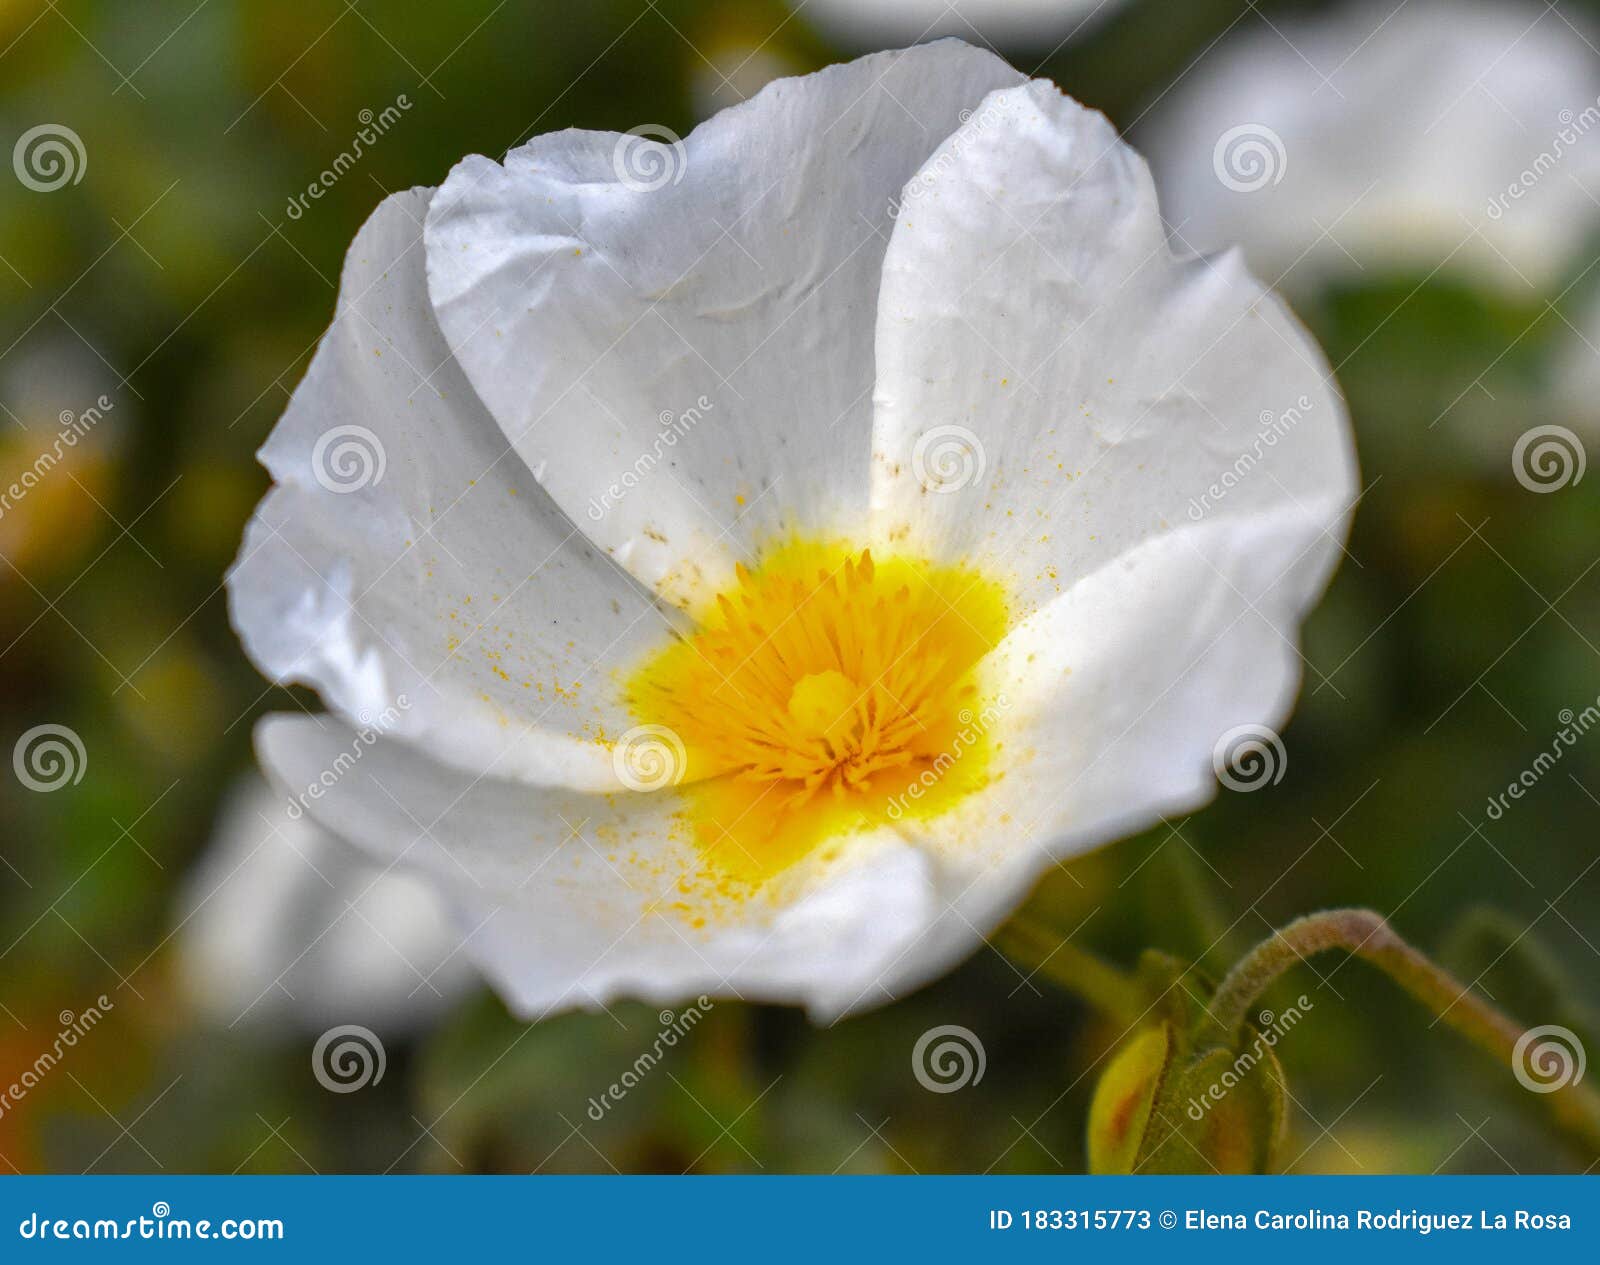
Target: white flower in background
{"points": [[1461, 135], [1021, 23], [1576, 380], [278, 920], [743, 706]]}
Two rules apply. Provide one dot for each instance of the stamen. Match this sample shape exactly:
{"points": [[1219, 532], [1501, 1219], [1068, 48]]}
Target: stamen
{"points": [[823, 694]]}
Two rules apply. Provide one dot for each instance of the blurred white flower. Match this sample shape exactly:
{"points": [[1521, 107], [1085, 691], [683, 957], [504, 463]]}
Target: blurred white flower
{"points": [[785, 559], [281, 921], [1459, 135], [1576, 378], [1012, 23]]}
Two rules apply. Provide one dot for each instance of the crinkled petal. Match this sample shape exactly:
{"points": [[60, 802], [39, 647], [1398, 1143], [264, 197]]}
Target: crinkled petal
{"points": [[408, 565], [1055, 388], [678, 337], [575, 899], [1114, 705]]}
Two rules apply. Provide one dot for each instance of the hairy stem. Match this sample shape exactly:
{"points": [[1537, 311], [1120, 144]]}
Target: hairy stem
{"points": [[1367, 935]]}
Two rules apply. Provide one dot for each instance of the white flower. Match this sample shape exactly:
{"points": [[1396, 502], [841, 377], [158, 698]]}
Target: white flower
{"points": [[784, 559], [1035, 23], [279, 921], [1457, 135], [1576, 380]]}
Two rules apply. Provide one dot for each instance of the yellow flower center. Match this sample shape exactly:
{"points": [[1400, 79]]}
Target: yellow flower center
{"points": [[827, 692]]}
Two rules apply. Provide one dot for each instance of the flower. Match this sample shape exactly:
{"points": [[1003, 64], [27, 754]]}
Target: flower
{"points": [[783, 559], [281, 922], [1452, 135], [1575, 385]]}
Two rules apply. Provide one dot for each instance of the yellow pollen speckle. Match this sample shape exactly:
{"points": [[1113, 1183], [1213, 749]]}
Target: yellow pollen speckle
{"points": [[826, 692]]}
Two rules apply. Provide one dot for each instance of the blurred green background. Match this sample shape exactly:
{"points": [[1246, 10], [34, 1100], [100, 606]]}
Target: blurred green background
{"points": [[173, 280]]}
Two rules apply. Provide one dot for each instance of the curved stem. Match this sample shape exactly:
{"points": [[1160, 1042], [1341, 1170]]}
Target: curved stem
{"points": [[1367, 935], [1078, 971]]}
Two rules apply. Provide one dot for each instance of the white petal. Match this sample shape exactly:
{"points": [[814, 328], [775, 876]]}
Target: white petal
{"points": [[1111, 703], [574, 899], [677, 338], [1054, 388], [1443, 134], [409, 567], [281, 921]]}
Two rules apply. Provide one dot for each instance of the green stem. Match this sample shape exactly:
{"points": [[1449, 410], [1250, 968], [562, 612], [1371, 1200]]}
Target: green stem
{"points": [[1091, 978], [1366, 935]]}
